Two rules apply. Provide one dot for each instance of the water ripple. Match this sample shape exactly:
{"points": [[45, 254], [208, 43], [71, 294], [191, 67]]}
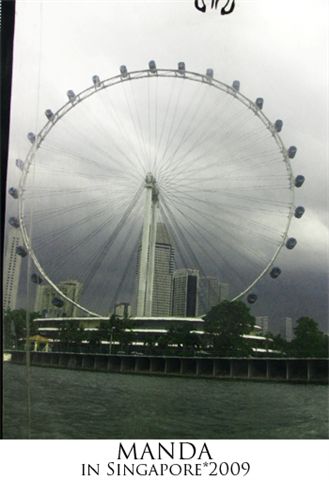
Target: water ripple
{"points": [[90, 405]]}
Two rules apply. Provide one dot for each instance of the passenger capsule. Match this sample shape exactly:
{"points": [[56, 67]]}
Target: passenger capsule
{"points": [[36, 279], [299, 180], [71, 95], [236, 85], [96, 81], [252, 298], [57, 302], [278, 125], [13, 192], [210, 73], [275, 272], [299, 212], [291, 243], [292, 151], [259, 103], [31, 137], [181, 68], [14, 222], [49, 114], [21, 251], [123, 71], [152, 66], [19, 164]]}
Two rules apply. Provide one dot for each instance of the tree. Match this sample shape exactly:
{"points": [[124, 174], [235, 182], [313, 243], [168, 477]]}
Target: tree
{"points": [[162, 342], [185, 340], [15, 326], [309, 341], [227, 322], [117, 329], [70, 334], [279, 344]]}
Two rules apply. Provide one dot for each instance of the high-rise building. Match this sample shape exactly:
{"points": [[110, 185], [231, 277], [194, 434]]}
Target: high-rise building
{"points": [[163, 273], [45, 296], [263, 321], [224, 291], [146, 253], [122, 310], [185, 292], [209, 290], [289, 332], [163, 267], [12, 270]]}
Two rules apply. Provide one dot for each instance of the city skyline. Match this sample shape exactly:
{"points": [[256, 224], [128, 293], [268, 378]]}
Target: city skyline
{"points": [[163, 285], [165, 301]]}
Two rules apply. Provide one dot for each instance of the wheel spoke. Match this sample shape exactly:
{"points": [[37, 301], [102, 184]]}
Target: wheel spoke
{"points": [[223, 178]]}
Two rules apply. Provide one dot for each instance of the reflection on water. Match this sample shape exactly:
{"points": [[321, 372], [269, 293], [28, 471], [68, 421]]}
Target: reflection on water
{"points": [[73, 404]]}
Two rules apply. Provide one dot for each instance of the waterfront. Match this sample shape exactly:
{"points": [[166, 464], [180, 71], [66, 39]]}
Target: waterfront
{"points": [[90, 405]]}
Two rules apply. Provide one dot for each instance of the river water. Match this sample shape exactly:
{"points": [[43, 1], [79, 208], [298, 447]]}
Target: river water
{"points": [[69, 404]]}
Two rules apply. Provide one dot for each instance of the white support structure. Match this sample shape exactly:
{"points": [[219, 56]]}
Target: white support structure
{"points": [[147, 253], [125, 76]]}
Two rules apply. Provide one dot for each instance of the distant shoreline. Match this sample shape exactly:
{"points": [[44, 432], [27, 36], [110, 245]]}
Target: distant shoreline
{"points": [[292, 370]]}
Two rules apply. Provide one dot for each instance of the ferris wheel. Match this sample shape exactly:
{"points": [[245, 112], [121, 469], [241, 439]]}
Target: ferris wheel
{"points": [[220, 173]]}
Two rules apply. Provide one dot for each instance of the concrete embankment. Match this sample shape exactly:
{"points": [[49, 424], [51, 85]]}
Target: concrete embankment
{"points": [[308, 370]]}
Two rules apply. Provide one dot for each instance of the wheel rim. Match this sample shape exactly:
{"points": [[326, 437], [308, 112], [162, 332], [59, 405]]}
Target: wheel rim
{"points": [[181, 207]]}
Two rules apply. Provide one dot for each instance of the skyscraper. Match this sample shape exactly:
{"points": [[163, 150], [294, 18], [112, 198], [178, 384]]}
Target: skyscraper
{"points": [[289, 332], [224, 289], [163, 273], [263, 321], [12, 270], [146, 253], [161, 297], [122, 310], [185, 292], [208, 294], [45, 296]]}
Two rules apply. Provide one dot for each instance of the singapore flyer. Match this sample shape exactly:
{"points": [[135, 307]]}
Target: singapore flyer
{"points": [[165, 240], [148, 154]]}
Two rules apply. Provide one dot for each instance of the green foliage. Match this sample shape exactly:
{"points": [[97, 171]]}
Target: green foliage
{"points": [[185, 340], [280, 344], [14, 327], [70, 333], [162, 342], [117, 329], [309, 341], [227, 322]]}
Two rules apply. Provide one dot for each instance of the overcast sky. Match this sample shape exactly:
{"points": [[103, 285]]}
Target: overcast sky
{"points": [[277, 49]]}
